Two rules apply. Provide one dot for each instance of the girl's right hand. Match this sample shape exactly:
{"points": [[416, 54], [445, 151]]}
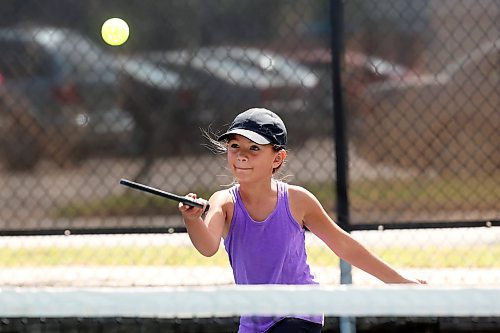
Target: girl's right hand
{"points": [[190, 213]]}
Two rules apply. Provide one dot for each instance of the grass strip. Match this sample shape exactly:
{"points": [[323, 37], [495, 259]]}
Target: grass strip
{"points": [[410, 257]]}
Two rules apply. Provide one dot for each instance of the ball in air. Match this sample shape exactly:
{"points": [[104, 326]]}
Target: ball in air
{"points": [[115, 31]]}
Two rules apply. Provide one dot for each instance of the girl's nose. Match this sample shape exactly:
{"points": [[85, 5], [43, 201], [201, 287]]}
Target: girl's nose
{"points": [[242, 156]]}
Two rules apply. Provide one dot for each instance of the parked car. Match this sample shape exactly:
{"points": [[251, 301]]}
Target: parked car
{"points": [[252, 76], [359, 71], [58, 97], [228, 79], [445, 121], [163, 104]]}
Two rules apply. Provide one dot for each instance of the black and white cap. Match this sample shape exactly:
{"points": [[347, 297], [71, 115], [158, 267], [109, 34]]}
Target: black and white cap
{"points": [[260, 125]]}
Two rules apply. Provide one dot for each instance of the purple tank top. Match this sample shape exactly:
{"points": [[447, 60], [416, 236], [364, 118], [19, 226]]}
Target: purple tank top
{"points": [[267, 252]]}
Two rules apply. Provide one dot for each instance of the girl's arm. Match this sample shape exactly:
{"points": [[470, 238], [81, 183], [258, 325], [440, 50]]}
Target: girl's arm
{"points": [[317, 220], [206, 234]]}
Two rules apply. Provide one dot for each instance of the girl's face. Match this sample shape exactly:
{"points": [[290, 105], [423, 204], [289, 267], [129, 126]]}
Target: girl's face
{"points": [[251, 161]]}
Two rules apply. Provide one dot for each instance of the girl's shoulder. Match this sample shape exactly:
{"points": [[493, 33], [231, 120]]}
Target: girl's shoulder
{"points": [[300, 198], [301, 203], [299, 193], [223, 202], [306, 207], [222, 196]]}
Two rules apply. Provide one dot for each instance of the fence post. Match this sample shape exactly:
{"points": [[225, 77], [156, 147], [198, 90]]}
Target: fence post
{"points": [[347, 324]]}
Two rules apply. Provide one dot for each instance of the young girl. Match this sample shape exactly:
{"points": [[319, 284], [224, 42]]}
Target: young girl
{"points": [[263, 221]]}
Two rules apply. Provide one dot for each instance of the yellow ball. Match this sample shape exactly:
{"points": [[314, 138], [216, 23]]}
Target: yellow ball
{"points": [[115, 31]]}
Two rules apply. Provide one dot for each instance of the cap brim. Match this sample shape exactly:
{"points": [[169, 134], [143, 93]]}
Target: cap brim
{"points": [[257, 138]]}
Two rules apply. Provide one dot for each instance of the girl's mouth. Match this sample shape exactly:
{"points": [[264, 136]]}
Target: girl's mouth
{"points": [[240, 168]]}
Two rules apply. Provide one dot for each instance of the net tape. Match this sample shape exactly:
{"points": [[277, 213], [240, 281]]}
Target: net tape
{"points": [[226, 301]]}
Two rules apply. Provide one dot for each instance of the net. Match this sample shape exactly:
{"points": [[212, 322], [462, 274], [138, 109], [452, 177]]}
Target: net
{"points": [[390, 308], [228, 301]]}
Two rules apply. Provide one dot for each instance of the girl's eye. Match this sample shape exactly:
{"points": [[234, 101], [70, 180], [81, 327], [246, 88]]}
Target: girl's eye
{"points": [[233, 145], [254, 148]]}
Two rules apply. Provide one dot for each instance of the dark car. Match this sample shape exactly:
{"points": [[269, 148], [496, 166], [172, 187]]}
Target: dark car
{"points": [[58, 97], [250, 76], [228, 79], [173, 96], [444, 121], [163, 104]]}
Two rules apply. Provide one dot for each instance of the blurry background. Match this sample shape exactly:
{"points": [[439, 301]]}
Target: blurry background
{"points": [[420, 92]]}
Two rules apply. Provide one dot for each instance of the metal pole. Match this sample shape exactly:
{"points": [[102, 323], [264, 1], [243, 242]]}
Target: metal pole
{"points": [[347, 324]]}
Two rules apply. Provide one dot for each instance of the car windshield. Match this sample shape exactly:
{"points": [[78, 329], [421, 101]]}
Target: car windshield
{"points": [[80, 55], [72, 45], [245, 67]]}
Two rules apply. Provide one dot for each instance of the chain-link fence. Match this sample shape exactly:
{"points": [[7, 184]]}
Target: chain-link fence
{"points": [[420, 90]]}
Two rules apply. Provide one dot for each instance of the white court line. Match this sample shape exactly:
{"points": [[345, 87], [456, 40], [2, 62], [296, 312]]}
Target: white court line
{"points": [[404, 237]]}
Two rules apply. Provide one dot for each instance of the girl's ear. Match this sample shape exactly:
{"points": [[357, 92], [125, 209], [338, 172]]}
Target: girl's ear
{"points": [[279, 158]]}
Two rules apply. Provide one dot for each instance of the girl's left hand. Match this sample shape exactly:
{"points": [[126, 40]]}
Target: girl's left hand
{"points": [[415, 281]]}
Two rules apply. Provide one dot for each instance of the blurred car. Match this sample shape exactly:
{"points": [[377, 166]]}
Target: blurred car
{"points": [[359, 71], [374, 68], [163, 104], [58, 97], [445, 121], [228, 79], [250, 76]]}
